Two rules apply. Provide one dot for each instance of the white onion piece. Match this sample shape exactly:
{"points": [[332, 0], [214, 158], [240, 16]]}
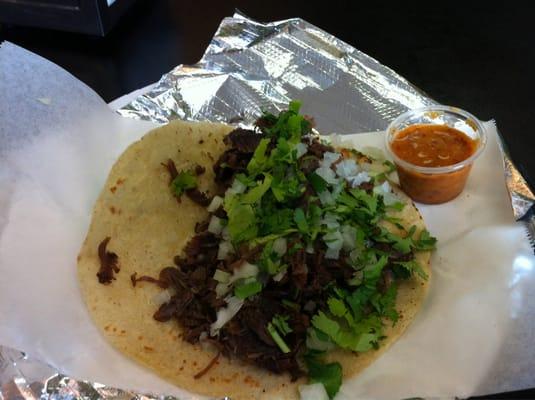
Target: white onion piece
{"points": [[280, 246], [221, 276], [216, 202], [225, 234], [327, 174], [225, 314], [236, 188], [349, 236], [216, 225], [332, 254], [347, 168], [334, 240], [301, 149], [246, 270], [310, 248], [160, 298], [330, 220], [326, 198], [279, 275], [329, 158], [358, 179], [225, 248], [314, 391], [386, 191], [222, 289]]}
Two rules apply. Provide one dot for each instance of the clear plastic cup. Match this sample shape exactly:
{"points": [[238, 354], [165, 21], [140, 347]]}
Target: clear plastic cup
{"points": [[434, 185]]}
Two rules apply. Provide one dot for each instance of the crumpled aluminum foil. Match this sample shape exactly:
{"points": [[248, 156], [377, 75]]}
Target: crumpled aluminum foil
{"points": [[250, 67], [24, 377]]}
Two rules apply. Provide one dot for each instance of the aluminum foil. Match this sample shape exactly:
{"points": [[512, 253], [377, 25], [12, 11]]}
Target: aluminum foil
{"points": [[24, 377], [249, 67]]}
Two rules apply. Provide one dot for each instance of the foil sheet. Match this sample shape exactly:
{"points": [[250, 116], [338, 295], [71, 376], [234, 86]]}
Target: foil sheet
{"points": [[24, 377]]}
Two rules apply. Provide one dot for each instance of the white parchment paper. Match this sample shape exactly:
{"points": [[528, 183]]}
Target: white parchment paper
{"points": [[58, 140]]}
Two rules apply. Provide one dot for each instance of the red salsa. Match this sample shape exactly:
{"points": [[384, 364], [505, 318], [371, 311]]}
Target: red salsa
{"points": [[433, 145]]}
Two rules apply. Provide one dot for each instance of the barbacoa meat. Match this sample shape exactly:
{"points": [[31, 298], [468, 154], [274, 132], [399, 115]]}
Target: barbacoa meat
{"points": [[108, 263]]}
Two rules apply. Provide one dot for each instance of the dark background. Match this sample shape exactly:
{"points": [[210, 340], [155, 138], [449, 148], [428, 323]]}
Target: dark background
{"points": [[478, 57]]}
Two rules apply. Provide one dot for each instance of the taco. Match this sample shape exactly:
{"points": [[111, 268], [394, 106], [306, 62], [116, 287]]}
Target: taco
{"points": [[247, 263]]}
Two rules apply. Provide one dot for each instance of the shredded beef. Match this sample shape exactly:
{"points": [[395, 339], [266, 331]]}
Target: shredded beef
{"points": [[299, 268], [198, 197], [318, 149], [108, 263], [309, 164], [171, 168], [244, 140]]}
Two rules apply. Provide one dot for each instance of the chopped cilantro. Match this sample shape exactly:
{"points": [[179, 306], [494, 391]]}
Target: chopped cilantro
{"points": [[281, 323], [318, 183], [247, 289], [277, 338], [183, 181], [330, 375], [300, 220]]}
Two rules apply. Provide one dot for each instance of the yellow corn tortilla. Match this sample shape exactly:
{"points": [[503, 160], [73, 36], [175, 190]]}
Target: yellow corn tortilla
{"points": [[147, 229]]}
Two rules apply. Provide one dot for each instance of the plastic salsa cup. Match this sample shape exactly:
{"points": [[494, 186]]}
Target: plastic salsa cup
{"points": [[434, 185]]}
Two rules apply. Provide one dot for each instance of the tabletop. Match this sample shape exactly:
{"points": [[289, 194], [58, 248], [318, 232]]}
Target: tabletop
{"points": [[479, 58]]}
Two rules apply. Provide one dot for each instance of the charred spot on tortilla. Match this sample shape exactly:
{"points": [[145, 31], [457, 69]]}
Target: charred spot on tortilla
{"points": [[108, 263]]}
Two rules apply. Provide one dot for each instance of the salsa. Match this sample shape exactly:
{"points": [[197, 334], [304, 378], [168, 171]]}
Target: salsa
{"points": [[433, 145]]}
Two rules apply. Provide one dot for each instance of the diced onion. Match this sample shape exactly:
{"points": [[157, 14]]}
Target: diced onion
{"points": [[225, 249], [327, 174], [315, 343], [221, 276], [160, 298], [349, 236], [236, 188], [222, 289], [280, 246], [310, 248], [332, 254], [225, 314], [216, 225], [314, 391], [334, 242], [358, 179], [347, 168], [385, 190], [329, 158], [216, 202], [225, 234], [326, 198], [330, 220], [279, 275], [246, 270], [301, 149]]}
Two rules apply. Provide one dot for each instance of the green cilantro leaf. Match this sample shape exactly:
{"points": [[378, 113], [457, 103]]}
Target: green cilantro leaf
{"points": [[300, 220], [281, 323], [277, 338], [318, 183], [259, 160], [255, 194], [330, 375], [183, 181], [247, 289], [425, 241]]}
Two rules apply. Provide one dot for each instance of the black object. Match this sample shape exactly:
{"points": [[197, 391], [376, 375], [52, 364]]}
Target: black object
{"points": [[94, 17]]}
